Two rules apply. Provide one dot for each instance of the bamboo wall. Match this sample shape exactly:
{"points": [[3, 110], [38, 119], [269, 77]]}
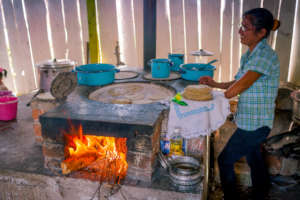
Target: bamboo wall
{"points": [[33, 31]]}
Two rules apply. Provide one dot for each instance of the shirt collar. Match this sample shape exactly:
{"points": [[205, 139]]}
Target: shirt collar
{"points": [[261, 44]]}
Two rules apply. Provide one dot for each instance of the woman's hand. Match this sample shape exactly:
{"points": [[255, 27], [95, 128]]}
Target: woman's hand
{"points": [[207, 80]]}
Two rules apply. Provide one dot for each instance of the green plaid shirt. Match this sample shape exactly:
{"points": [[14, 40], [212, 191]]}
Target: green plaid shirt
{"points": [[256, 105]]}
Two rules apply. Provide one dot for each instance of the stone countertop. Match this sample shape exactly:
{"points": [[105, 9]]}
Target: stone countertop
{"points": [[79, 107]]}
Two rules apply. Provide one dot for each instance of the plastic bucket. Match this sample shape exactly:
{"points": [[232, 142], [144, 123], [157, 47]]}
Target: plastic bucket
{"points": [[8, 108], [160, 67], [177, 60]]}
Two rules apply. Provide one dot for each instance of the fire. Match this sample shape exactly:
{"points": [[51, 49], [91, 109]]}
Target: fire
{"points": [[105, 156]]}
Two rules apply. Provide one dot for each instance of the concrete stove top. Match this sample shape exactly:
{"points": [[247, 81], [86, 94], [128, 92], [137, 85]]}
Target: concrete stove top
{"points": [[109, 119]]}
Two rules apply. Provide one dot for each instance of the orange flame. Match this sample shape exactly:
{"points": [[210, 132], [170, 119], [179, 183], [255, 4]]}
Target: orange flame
{"points": [[105, 156]]}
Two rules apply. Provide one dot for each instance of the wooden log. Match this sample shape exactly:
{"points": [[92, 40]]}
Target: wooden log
{"points": [[78, 162]]}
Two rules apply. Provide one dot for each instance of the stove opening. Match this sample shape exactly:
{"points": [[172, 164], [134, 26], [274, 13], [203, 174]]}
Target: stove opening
{"points": [[104, 157]]}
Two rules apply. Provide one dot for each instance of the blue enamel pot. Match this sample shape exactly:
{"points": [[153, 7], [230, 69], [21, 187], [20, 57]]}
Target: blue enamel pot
{"points": [[160, 67], [194, 71], [95, 74], [177, 60]]}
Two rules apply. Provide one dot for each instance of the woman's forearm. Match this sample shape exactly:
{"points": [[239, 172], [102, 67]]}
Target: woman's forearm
{"points": [[223, 85], [242, 84]]}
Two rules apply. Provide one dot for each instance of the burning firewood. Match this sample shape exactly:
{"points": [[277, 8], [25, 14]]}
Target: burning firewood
{"points": [[103, 156], [75, 163]]}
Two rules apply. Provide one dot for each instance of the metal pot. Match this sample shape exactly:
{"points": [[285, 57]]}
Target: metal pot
{"points": [[96, 74], [160, 67], [185, 173], [49, 69], [296, 105], [177, 59]]}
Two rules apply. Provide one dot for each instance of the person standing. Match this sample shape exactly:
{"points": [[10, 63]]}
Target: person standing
{"points": [[256, 84]]}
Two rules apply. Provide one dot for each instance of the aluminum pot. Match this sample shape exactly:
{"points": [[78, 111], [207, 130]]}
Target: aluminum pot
{"points": [[296, 105], [185, 170], [49, 69]]}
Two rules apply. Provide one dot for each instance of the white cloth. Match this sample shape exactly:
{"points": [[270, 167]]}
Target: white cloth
{"points": [[199, 118]]}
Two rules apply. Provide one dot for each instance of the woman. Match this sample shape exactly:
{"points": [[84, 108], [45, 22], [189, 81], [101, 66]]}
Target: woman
{"points": [[3, 73], [256, 83]]}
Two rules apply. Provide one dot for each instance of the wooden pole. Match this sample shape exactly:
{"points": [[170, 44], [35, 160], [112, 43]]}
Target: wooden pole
{"points": [[94, 54], [149, 31], [295, 53]]}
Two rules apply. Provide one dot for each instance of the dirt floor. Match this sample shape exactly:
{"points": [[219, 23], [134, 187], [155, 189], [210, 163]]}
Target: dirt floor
{"points": [[283, 188]]}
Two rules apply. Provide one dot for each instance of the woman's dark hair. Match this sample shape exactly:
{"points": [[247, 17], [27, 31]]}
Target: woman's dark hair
{"points": [[3, 73], [262, 18]]}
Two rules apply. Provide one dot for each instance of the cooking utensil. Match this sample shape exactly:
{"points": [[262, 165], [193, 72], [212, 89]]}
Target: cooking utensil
{"points": [[194, 71], [177, 59], [160, 67], [211, 62], [185, 173], [201, 52], [95, 74], [49, 69]]}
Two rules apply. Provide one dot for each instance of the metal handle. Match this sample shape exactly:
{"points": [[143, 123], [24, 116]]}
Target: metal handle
{"points": [[211, 62]]}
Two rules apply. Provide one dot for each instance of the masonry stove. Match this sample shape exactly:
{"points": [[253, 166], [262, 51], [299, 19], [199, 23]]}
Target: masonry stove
{"points": [[139, 124]]}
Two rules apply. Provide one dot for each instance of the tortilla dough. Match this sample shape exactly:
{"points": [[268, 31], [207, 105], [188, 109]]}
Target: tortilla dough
{"points": [[115, 92], [121, 101], [197, 93], [132, 89], [132, 93]]}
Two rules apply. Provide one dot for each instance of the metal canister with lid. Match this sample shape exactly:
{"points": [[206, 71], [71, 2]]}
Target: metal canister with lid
{"points": [[49, 69]]}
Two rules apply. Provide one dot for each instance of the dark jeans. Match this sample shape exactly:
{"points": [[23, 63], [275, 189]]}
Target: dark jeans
{"points": [[244, 143]]}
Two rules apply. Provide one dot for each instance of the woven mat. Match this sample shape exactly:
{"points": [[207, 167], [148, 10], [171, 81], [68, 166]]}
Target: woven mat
{"points": [[173, 76]]}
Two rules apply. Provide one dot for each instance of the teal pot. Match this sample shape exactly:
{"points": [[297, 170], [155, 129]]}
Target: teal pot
{"points": [[160, 67], [194, 71], [177, 59], [95, 74]]}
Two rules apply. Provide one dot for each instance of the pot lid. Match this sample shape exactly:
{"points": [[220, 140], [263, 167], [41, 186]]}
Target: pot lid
{"points": [[202, 52], [63, 84], [56, 63]]}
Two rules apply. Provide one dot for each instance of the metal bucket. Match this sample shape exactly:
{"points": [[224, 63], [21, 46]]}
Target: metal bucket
{"points": [[296, 105]]}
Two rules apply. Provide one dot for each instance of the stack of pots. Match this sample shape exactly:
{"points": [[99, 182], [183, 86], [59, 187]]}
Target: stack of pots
{"points": [[184, 171]]}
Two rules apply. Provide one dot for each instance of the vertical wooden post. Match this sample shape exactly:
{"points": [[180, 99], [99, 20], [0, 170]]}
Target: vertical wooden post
{"points": [[149, 31], [295, 54], [94, 55]]}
